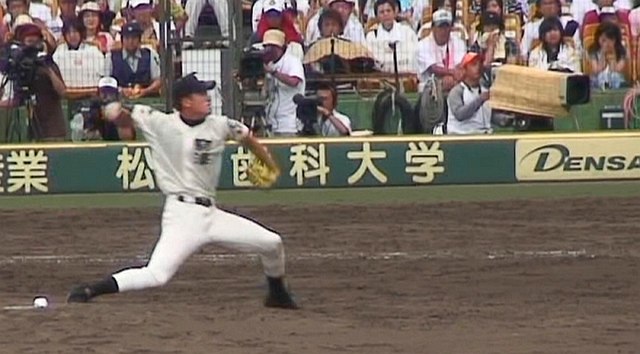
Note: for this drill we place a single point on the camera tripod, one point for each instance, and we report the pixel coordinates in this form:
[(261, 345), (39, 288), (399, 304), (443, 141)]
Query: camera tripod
[(256, 120), (18, 126)]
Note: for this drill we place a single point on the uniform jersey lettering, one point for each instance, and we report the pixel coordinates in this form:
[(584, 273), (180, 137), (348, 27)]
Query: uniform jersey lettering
[(201, 151), (236, 129)]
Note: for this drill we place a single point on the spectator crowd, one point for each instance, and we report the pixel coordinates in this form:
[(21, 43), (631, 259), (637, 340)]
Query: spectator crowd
[(430, 37), (432, 40)]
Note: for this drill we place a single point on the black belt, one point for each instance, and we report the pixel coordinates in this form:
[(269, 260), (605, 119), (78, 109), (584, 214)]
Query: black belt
[(205, 202)]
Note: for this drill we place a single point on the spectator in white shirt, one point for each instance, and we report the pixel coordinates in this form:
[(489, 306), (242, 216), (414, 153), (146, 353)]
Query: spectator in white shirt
[(547, 8), (353, 29), (579, 8), (330, 121), (389, 31), (440, 53), (608, 58), (418, 10), (312, 33), (285, 79), (80, 63), (405, 9), (330, 24), (73, 34), (553, 52), (458, 28), (491, 41)]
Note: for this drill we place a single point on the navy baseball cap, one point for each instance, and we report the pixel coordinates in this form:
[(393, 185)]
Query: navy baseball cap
[(131, 29), (190, 84)]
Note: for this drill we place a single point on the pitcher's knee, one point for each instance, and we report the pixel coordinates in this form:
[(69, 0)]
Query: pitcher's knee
[(272, 243), (160, 277)]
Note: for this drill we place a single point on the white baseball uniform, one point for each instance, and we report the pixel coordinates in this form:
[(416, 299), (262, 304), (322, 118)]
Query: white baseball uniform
[(194, 8), (187, 161)]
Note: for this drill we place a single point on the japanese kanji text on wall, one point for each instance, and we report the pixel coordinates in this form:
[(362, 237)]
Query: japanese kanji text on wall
[(306, 163)]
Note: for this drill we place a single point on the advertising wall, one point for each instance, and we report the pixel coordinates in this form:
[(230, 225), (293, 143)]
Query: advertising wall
[(325, 163)]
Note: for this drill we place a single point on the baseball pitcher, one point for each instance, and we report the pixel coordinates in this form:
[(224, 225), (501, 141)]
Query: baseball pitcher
[(187, 149)]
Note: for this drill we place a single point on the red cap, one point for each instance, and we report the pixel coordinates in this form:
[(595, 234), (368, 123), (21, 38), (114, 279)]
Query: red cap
[(469, 58)]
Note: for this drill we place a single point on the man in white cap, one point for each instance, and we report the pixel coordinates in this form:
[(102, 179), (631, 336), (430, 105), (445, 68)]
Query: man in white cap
[(285, 79), (108, 91), (194, 8), (89, 123), (440, 53), (269, 8)]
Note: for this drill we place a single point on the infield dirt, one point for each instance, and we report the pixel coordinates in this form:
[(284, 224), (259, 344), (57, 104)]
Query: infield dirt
[(559, 276)]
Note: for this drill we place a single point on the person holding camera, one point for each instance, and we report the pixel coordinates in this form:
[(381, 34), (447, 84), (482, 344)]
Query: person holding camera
[(17, 8), (37, 76), (285, 79), (331, 122), (89, 122)]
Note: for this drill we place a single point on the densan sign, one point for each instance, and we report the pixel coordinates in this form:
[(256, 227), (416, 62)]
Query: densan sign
[(578, 159)]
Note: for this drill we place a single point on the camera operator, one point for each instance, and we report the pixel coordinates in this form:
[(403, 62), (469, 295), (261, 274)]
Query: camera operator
[(331, 122), (285, 80), (42, 19), (35, 75), (89, 123)]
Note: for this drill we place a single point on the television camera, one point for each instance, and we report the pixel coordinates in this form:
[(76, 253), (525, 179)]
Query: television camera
[(19, 64), (250, 81)]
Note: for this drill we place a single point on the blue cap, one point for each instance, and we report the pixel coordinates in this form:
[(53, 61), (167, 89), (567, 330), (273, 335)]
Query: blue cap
[(131, 29), (190, 84)]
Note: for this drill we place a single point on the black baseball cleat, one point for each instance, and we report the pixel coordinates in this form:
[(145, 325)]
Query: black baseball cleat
[(81, 293), (278, 296), (282, 301)]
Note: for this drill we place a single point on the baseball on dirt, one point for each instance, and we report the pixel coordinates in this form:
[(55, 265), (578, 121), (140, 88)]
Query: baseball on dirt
[(40, 302)]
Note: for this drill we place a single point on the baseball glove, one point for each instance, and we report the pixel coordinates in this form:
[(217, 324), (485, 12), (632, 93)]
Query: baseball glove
[(261, 175)]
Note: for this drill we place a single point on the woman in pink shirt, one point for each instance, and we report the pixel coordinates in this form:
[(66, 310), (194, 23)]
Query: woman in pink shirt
[(90, 16)]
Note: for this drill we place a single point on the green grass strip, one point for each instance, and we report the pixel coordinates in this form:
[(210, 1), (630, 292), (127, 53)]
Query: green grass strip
[(430, 194)]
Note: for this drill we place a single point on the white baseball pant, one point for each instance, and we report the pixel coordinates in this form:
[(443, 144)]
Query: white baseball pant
[(194, 9), (186, 227)]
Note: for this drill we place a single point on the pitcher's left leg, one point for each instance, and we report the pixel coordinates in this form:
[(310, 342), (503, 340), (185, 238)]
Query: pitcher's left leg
[(242, 234)]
